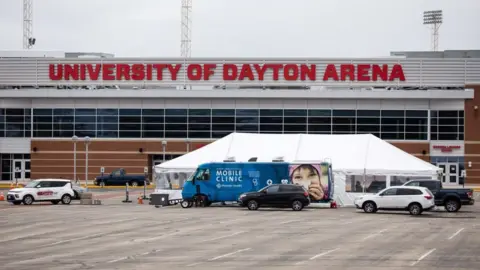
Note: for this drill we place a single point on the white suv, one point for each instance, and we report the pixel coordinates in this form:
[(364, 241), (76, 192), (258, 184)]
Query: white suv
[(412, 199), (53, 190)]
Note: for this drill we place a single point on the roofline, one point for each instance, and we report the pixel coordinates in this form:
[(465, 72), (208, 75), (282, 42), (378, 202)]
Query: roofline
[(239, 94)]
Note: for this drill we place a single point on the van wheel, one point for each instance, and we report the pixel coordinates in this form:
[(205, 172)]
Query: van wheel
[(134, 184), (27, 200), (415, 209), (452, 206), (186, 204), (252, 205), (66, 199), (369, 207), (297, 205)]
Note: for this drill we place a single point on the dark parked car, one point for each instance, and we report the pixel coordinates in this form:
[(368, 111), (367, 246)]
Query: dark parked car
[(120, 178), (279, 196), (451, 198)]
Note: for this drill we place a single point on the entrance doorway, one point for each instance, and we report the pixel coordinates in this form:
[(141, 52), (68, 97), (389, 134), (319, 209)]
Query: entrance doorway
[(21, 170), (450, 173)]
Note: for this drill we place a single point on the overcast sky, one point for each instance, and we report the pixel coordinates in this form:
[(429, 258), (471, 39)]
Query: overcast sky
[(242, 28)]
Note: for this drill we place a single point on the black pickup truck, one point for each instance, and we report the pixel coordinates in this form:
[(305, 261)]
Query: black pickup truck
[(451, 198), (120, 178)]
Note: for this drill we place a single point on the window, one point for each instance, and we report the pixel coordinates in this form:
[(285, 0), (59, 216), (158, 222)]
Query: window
[(447, 125), (343, 121), (269, 112), (203, 174), (199, 123), (176, 123), (15, 122), (247, 112), (408, 191), (289, 188), (223, 112), (368, 122), (273, 189), (389, 192), (413, 184)]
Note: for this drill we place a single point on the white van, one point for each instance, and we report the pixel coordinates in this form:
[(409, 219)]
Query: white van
[(41, 190)]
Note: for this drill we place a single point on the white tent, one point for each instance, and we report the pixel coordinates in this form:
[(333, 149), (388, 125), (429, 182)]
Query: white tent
[(362, 154), (353, 154)]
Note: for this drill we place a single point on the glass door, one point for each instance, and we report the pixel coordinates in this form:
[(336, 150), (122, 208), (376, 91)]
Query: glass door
[(21, 170), (452, 169), (18, 170), (26, 175), (444, 172)]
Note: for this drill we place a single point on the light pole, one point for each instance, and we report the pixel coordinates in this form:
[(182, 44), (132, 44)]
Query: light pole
[(433, 18), (87, 142), (74, 139), (164, 146)]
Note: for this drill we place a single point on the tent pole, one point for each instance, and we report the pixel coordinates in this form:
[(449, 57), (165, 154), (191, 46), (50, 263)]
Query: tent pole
[(364, 179), (365, 163)]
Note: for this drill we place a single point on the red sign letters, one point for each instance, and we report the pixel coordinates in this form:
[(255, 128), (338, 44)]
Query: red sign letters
[(228, 72), (446, 148)]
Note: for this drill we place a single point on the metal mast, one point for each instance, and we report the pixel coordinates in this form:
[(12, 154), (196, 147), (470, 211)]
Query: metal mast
[(433, 18), (186, 39), (28, 39)]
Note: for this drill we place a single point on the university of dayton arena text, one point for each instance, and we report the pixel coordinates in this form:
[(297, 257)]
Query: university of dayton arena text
[(140, 112)]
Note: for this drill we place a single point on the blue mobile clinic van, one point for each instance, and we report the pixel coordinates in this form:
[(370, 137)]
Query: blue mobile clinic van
[(226, 181)]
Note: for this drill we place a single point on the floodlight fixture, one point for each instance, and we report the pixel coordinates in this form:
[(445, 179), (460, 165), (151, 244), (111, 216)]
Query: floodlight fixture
[(433, 18)]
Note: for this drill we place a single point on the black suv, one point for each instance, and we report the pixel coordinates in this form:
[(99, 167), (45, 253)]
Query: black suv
[(281, 196)]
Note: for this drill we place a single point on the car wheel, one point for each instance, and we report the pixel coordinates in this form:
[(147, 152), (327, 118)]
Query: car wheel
[(66, 199), (369, 207), (415, 209), (134, 184), (452, 206), (252, 205), (17, 203), (27, 200), (55, 202), (186, 204), (297, 205)]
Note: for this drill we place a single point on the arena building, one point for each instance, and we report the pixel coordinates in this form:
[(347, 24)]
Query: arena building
[(140, 112)]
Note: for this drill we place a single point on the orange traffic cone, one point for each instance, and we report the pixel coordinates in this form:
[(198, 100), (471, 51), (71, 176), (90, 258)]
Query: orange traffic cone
[(2, 197), (140, 200)]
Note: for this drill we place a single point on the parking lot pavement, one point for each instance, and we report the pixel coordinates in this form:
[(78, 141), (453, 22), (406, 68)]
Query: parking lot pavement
[(143, 237)]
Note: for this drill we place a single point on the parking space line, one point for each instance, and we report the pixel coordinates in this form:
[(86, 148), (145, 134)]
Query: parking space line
[(323, 254), (318, 256), (222, 237), (423, 256), (456, 233), (290, 221), (374, 234), (72, 239), (228, 254)]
